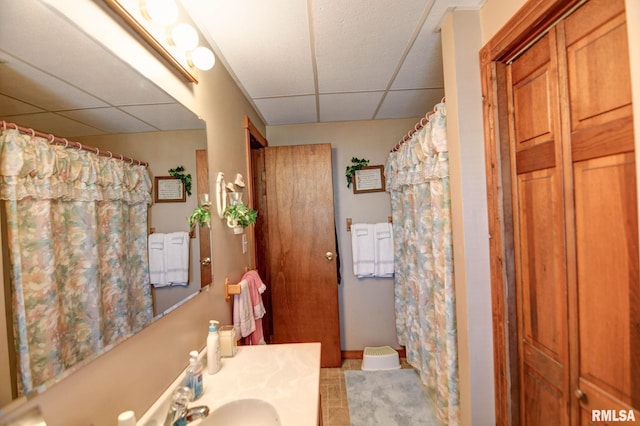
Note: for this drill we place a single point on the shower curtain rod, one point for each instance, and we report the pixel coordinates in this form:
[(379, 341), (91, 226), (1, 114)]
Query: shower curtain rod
[(419, 125), (70, 144)]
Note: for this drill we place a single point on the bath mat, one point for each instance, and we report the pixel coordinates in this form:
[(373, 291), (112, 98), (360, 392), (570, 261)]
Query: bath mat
[(387, 398)]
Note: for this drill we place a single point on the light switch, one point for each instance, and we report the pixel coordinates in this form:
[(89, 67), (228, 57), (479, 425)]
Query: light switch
[(244, 243)]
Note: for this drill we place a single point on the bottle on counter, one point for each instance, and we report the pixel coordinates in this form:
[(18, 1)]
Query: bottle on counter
[(213, 348), (194, 380), (127, 418)]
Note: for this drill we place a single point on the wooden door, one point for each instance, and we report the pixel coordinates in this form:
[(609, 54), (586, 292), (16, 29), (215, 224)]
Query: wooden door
[(605, 296), (581, 102), (301, 246), (204, 232), (539, 222), (575, 222)]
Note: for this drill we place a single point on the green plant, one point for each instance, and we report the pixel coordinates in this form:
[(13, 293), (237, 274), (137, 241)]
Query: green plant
[(185, 178), (241, 214), (358, 163), (201, 215)]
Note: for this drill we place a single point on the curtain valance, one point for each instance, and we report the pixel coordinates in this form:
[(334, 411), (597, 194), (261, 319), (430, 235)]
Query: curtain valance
[(32, 167), (421, 159)]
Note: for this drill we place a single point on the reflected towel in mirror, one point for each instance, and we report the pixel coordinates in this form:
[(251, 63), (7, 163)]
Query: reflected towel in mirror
[(169, 259)]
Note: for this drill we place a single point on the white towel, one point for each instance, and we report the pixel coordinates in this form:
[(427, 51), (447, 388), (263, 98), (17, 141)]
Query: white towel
[(363, 249), (243, 320), (157, 269), (383, 262), (176, 256)]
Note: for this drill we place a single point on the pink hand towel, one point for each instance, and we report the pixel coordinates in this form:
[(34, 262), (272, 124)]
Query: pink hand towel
[(256, 288)]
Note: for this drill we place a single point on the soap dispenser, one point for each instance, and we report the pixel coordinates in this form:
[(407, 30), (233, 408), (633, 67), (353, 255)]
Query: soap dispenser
[(213, 348), (194, 376)]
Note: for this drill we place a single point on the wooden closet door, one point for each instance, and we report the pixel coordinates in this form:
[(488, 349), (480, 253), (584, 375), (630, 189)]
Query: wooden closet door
[(539, 224), (605, 297), (575, 219)]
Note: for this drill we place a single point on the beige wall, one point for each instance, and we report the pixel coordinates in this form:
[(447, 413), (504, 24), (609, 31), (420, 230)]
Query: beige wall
[(460, 45), (366, 304), (494, 14)]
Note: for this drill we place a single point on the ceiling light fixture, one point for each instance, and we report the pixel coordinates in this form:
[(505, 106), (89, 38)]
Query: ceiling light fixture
[(184, 37), (155, 21), (202, 58), (162, 12)]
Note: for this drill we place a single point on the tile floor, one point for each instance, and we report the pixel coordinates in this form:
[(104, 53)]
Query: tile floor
[(333, 392)]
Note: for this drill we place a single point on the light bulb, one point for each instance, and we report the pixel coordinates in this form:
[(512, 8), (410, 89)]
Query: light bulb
[(184, 37), (203, 58), (163, 12)]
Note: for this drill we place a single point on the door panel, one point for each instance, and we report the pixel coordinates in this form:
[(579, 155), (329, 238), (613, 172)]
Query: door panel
[(608, 293), (541, 253), (607, 284), (598, 64), (543, 402), (301, 233), (533, 89), (543, 297)]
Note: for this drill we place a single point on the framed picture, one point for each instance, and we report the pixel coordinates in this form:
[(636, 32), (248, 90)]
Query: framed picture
[(168, 189), (369, 179)]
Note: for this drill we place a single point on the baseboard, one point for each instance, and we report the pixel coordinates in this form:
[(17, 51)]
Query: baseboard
[(402, 353)]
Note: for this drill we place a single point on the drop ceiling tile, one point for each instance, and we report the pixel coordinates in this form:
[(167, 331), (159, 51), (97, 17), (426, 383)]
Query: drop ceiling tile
[(349, 106), (293, 109), (12, 106), (32, 86), (166, 116), (111, 120), (55, 124), (87, 65), (265, 43), (422, 68), (409, 103), (359, 43)]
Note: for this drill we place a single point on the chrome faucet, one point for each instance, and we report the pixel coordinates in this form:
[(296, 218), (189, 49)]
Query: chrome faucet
[(179, 414)]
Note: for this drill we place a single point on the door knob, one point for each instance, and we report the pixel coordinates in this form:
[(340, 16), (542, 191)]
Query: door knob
[(580, 395), (329, 255), (206, 261)]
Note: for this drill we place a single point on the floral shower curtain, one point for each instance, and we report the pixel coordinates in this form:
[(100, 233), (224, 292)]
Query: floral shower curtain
[(77, 239), (418, 181)]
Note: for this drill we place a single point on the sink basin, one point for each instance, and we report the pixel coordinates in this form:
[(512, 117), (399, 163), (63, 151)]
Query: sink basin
[(243, 412)]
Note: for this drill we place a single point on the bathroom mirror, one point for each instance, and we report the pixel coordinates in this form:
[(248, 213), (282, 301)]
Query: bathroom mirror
[(56, 79)]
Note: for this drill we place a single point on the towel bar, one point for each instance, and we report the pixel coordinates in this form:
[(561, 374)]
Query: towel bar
[(230, 289), (350, 222)]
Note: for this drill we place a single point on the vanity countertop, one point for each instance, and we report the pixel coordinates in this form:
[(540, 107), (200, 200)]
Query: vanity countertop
[(286, 375)]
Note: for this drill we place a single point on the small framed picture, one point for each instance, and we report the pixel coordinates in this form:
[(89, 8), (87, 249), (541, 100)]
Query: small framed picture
[(169, 190), (369, 179)]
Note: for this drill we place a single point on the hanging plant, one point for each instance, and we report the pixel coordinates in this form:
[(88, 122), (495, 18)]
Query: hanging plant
[(178, 173), (240, 214), (357, 164), (201, 216)]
